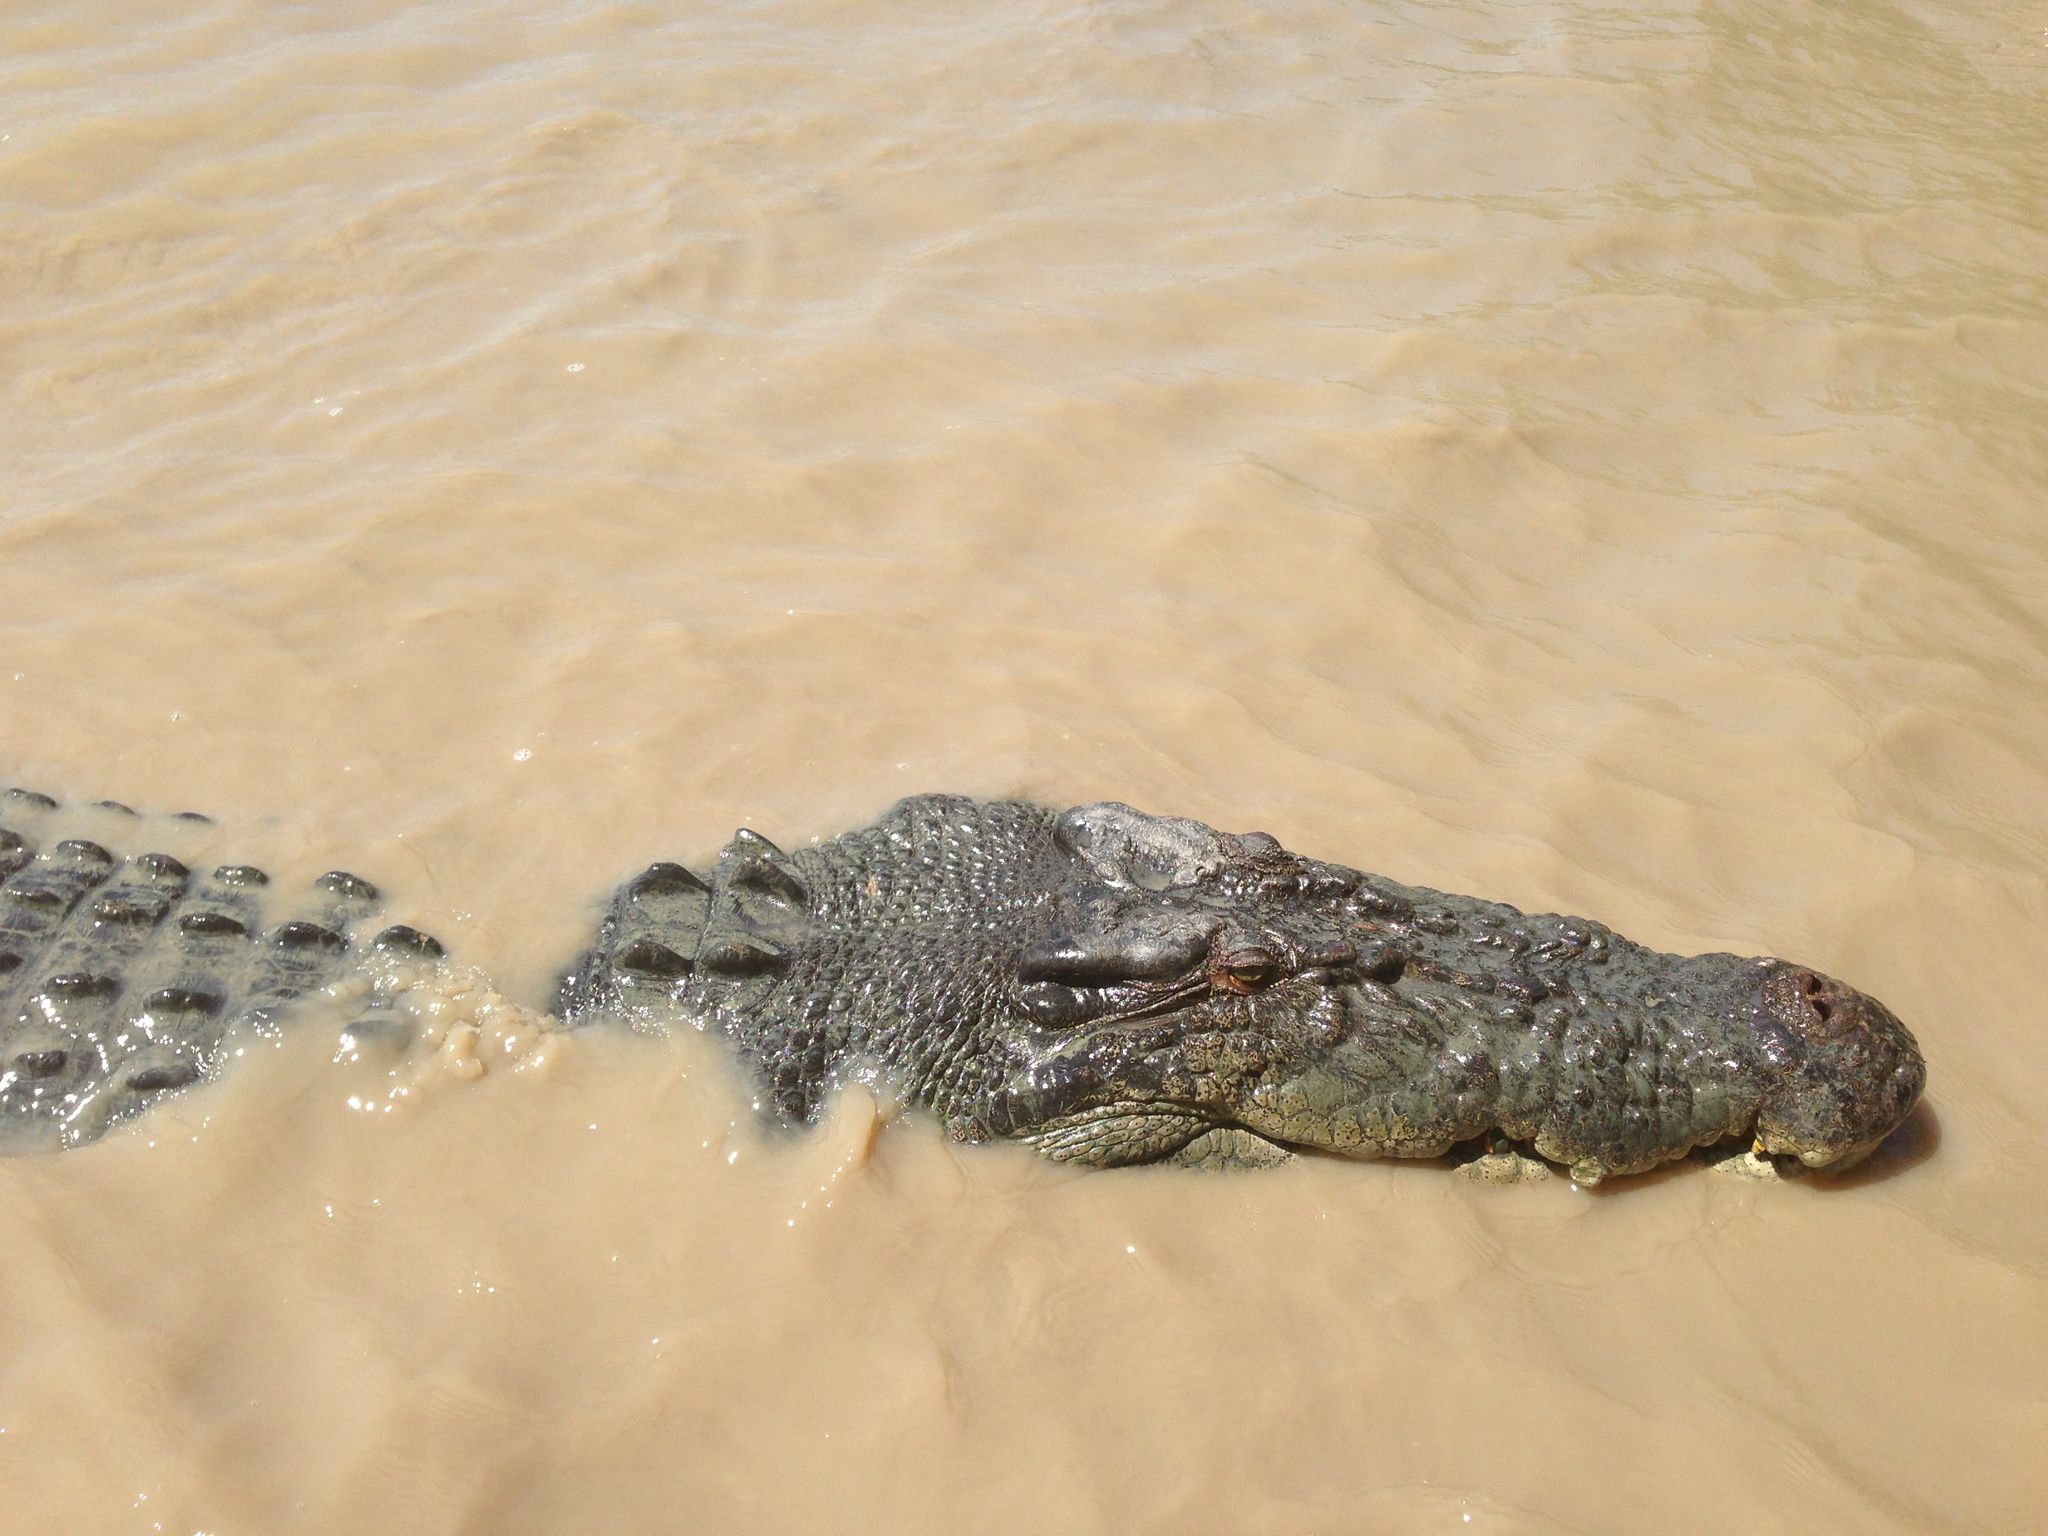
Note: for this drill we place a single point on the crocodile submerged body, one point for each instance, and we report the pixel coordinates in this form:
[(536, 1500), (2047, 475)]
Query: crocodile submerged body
[(120, 978), (1108, 986)]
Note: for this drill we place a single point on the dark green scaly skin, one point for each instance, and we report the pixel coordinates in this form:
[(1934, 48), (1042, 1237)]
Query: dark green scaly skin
[(1120, 988), (119, 978)]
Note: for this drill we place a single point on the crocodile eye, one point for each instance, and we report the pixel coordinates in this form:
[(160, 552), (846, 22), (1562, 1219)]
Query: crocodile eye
[(1247, 973)]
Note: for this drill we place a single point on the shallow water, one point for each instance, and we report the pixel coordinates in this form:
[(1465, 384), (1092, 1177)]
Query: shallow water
[(1594, 457)]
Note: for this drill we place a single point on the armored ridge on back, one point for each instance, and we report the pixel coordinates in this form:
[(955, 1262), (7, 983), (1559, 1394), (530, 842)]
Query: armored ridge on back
[(1108, 986), (120, 978)]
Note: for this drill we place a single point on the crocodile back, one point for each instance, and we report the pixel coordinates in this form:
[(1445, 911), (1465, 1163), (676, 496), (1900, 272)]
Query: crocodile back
[(121, 975)]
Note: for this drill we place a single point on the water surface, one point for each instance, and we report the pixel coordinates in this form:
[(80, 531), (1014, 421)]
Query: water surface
[(1590, 456)]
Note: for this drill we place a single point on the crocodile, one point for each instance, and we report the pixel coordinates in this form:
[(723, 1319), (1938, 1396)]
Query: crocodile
[(1107, 986)]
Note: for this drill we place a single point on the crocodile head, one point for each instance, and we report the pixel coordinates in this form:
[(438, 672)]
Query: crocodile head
[(1213, 999)]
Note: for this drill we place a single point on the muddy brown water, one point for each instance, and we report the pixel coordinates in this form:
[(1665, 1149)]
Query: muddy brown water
[(1590, 456)]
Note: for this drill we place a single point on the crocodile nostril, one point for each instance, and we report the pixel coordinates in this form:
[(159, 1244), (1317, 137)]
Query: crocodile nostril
[(1817, 997), (1810, 1003)]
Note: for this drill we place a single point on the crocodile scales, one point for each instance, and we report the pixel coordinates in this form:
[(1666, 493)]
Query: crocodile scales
[(1108, 986)]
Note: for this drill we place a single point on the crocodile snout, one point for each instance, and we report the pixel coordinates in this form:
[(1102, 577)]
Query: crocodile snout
[(1852, 1076)]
